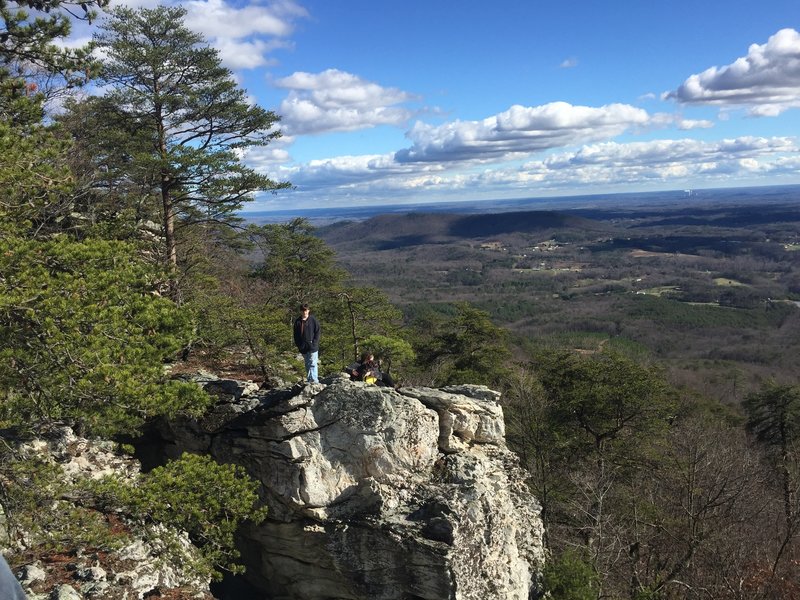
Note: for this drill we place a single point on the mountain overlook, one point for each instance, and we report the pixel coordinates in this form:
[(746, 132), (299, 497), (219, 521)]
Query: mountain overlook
[(373, 493)]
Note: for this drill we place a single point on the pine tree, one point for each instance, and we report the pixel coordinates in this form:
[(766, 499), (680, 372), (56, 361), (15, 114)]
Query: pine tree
[(27, 44), (467, 348), (182, 119)]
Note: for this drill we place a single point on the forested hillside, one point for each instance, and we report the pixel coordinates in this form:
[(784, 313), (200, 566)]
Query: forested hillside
[(648, 364), (711, 292)]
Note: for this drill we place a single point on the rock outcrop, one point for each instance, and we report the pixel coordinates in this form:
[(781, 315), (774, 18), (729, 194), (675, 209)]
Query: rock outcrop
[(373, 493)]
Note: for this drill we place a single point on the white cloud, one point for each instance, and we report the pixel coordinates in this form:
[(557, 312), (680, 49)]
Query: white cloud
[(568, 63), (768, 110), (671, 151), (520, 129), (664, 160), (338, 101), (216, 18), (135, 3), (267, 159), (594, 166), (245, 54), (245, 35), (686, 124), (767, 79), (356, 170), (73, 42)]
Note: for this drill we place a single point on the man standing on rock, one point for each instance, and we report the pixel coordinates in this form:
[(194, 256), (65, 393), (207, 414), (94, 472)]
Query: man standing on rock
[(306, 338)]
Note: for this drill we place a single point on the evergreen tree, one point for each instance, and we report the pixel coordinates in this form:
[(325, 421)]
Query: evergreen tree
[(255, 307), (295, 265), (467, 348), (83, 336), (357, 317), (34, 175), (586, 426), (175, 122), (27, 43), (773, 417), (84, 331)]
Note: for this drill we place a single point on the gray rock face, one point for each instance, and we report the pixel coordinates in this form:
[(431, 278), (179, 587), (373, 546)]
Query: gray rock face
[(377, 494)]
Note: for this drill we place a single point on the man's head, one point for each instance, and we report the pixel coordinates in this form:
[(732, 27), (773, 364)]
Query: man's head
[(305, 309)]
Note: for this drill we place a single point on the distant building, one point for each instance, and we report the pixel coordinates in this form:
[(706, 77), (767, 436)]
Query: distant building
[(547, 245), (496, 246)]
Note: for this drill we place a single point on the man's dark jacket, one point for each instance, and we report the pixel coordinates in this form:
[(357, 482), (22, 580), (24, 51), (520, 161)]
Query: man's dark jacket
[(306, 338)]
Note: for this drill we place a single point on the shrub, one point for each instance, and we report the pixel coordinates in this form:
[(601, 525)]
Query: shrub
[(570, 577), (199, 496)]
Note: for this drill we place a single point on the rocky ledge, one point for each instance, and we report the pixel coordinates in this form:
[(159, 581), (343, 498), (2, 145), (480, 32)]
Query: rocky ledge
[(373, 493)]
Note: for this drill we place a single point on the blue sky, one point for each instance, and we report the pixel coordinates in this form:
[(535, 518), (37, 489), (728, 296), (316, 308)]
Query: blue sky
[(392, 102)]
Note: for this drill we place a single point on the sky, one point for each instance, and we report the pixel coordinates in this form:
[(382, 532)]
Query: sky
[(427, 101)]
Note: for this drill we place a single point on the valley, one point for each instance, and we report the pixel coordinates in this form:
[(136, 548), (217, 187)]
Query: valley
[(708, 290)]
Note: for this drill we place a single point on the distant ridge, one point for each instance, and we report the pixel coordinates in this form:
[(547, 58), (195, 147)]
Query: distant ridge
[(388, 231), (622, 201), (517, 222)]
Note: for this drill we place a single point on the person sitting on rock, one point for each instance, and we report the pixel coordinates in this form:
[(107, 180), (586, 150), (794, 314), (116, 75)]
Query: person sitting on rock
[(368, 369)]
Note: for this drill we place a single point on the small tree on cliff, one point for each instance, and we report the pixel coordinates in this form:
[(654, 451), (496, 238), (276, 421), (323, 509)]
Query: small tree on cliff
[(186, 121), (467, 348), (296, 265)]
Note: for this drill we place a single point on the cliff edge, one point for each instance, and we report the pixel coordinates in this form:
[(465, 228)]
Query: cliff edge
[(373, 493)]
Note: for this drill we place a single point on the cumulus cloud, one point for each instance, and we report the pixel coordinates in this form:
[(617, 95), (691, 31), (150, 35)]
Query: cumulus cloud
[(592, 166), (568, 63), (268, 159), (662, 120), (244, 34), (357, 170), (246, 54), (767, 79), (687, 124), (339, 101), (671, 151), (664, 160), (216, 18), (520, 129)]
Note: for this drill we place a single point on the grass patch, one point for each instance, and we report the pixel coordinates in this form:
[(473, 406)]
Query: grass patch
[(724, 281), (659, 291)]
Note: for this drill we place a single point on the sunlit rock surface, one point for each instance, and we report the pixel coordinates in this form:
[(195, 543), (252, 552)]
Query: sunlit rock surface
[(374, 493)]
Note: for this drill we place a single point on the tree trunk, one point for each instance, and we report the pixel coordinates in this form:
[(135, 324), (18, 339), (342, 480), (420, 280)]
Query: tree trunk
[(171, 255), (169, 225)]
